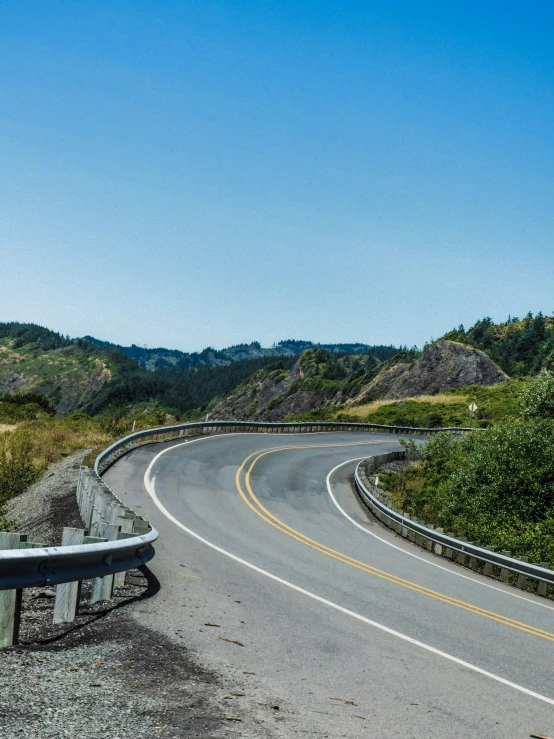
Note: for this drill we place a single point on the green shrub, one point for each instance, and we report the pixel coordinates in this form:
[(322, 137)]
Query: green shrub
[(494, 486), (537, 400)]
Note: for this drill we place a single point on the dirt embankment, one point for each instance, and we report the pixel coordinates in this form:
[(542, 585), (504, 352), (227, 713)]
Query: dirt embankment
[(444, 365)]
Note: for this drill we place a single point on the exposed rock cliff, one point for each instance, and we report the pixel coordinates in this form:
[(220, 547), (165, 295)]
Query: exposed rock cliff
[(441, 366)]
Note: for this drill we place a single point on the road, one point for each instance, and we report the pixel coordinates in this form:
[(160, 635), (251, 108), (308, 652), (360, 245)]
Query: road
[(350, 630)]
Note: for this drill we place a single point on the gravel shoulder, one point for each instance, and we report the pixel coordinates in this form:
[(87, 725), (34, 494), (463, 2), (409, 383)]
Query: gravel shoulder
[(107, 675)]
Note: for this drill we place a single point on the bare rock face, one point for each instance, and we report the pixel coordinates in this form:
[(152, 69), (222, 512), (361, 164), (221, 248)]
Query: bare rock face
[(442, 366)]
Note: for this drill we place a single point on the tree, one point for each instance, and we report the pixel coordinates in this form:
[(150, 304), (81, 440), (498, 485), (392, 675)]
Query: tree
[(538, 400)]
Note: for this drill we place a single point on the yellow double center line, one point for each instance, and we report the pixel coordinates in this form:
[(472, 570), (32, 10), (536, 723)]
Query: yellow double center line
[(254, 504)]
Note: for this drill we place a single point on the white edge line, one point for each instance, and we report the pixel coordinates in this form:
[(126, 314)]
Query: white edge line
[(416, 556), (149, 484)]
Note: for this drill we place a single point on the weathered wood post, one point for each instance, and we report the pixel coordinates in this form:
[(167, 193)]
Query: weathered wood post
[(504, 573), (67, 593), (10, 600), (487, 571), (541, 586), (438, 547), (102, 587), (522, 579)]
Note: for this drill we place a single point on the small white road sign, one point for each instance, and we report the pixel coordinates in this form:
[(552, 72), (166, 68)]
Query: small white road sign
[(472, 408)]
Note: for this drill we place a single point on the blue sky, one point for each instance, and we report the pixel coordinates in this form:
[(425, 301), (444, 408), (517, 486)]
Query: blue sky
[(191, 174)]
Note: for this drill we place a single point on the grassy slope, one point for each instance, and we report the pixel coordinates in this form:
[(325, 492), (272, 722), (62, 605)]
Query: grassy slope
[(28, 447), (495, 404), (67, 375)]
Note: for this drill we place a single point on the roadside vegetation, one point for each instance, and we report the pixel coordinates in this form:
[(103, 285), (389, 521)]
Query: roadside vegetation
[(494, 405), (495, 487), (36, 437)]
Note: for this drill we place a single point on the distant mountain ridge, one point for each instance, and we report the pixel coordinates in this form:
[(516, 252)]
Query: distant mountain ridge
[(161, 358), (95, 376), (289, 379)]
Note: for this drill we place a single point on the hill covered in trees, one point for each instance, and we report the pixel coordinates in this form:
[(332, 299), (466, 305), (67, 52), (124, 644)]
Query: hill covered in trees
[(291, 379), (521, 347), (161, 358), (34, 359), (93, 376)]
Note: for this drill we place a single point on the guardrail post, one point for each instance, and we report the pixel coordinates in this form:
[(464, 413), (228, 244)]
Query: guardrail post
[(541, 585), (487, 571), (125, 526), (461, 556), (522, 579), (473, 561), (405, 530), (67, 593), (10, 600), (102, 587), (447, 550), (439, 547), (418, 538), (504, 573)]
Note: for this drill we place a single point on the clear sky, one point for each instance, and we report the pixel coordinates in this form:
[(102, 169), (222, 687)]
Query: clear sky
[(188, 174)]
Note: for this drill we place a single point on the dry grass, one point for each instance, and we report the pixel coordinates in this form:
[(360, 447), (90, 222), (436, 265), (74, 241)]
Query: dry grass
[(7, 427), (52, 440), (361, 411)]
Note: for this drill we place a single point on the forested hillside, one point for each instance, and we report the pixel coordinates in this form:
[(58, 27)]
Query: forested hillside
[(78, 375), (519, 347), (180, 391), (317, 379), (161, 358), (34, 359)]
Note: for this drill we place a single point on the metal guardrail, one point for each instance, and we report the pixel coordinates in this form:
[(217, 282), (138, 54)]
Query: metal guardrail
[(41, 566), (167, 433), (435, 539), (114, 540)]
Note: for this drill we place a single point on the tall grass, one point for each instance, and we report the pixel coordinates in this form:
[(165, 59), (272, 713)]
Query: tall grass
[(28, 449), (365, 410)]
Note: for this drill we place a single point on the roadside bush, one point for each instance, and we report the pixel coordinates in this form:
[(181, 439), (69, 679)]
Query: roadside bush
[(24, 407), (537, 400), (495, 487)]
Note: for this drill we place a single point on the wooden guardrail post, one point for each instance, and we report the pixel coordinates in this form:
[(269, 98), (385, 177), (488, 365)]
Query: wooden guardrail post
[(473, 561), (505, 573), (125, 526), (461, 556), (522, 579), (439, 547), (447, 550), (102, 587), (10, 600), (541, 585), (67, 593), (487, 570)]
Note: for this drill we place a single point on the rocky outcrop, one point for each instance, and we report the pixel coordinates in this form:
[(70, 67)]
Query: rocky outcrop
[(274, 395), (442, 366)]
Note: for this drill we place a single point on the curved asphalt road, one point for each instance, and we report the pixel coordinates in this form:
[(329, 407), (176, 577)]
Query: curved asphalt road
[(348, 628)]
